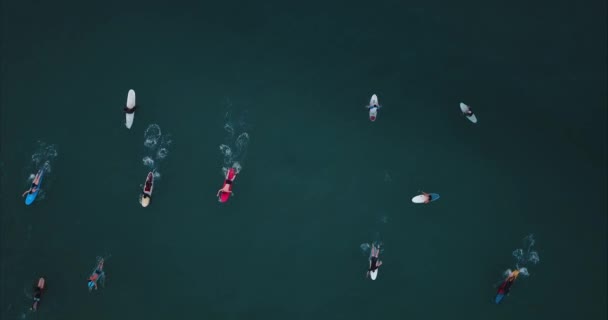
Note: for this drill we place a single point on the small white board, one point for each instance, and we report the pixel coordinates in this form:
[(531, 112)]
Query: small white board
[(130, 116), (419, 199), (373, 108), (145, 201), (373, 274), (464, 108), (373, 100)]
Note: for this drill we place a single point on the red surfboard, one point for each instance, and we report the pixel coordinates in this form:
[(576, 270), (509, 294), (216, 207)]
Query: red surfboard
[(149, 184), (224, 196)]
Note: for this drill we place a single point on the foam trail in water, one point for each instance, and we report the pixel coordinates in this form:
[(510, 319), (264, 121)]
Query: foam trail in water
[(157, 148), (233, 151), (526, 255), (152, 136), (365, 248)]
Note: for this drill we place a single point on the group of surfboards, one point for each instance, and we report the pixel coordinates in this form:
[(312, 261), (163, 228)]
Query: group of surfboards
[(425, 198), (226, 191), (373, 108)]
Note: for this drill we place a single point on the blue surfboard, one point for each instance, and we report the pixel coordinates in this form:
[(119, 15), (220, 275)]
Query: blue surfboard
[(30, 197), (434, 196), (499, 298)]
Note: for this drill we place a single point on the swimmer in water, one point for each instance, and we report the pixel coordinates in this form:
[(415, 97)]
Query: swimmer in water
[(34, 186), (97, 275), (374, 262)]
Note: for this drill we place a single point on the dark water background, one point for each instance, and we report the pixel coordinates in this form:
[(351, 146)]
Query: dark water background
[(318, 178)]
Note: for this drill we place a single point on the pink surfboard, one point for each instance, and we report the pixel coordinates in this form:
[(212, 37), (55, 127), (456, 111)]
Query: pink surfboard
[(224, 196)]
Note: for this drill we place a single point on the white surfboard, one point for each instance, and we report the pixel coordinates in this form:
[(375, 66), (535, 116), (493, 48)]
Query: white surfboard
[(373, 107), (419, 199), (464, 108), (130, 105), (373, 274), (144, 201)]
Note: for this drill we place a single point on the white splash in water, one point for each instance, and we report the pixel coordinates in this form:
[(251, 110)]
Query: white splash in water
[(365, 247), (148, 162), (526, 255), (234, 150), (152, 135), (158, 147), (162, 153)]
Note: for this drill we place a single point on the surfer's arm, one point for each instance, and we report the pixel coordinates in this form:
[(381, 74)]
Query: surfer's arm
[(26, 191)]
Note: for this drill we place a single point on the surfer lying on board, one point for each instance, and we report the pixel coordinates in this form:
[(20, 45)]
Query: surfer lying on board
[(97, 275), (227, 183), (225, 189), (427, 197), (505, 287), (147, 188), (38, 293), (468, 112), (131, 110), (34, 186), (374, 263)]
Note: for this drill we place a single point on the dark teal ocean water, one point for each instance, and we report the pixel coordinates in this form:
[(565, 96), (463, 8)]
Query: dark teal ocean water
[(318, 179)]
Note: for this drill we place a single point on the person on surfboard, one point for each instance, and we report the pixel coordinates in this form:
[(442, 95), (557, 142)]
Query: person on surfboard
[(374, 262), (38, 293), (226, 187), (148, 186), (505, 287), (427, 196), (97, 275), (371, 108), (468, 112), (132, 110), (34, 186)]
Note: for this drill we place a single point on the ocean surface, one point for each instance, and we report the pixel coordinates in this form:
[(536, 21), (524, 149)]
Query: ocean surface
[(279, 89)]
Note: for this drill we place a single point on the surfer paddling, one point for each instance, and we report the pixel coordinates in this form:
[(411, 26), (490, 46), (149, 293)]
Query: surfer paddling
[(374, 262), (34, 186), (373, 107), (468, 112), (226, 191), (147, 191), (130, 110), (427, 197), (97, 275), (38, 288), (505, 287)]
